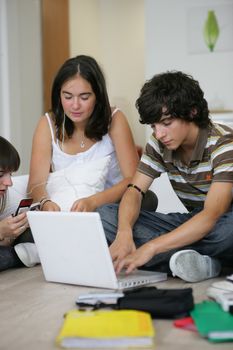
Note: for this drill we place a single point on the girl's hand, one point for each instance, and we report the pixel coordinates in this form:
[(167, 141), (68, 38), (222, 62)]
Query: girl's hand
[(13, 226), (50, 206), (84, 204)]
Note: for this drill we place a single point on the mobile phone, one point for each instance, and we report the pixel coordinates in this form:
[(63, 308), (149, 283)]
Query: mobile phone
[(35, 206), (24, 205)]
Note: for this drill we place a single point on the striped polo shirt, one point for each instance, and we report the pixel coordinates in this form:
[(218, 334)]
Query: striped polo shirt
[(211, 161)]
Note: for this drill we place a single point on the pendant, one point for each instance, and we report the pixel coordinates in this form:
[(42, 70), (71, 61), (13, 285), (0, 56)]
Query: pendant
[(82, 144)]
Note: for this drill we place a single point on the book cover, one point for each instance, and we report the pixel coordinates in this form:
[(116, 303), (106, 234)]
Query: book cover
[(108, 328), (212, 322)]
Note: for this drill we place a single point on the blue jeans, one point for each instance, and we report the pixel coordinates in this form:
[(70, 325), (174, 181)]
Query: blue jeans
[(149, 225), (8, 256)]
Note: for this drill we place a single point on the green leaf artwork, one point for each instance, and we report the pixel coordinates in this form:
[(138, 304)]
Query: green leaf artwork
[(211, 30)]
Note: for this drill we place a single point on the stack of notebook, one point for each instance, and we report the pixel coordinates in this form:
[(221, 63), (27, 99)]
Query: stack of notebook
[(212, 322), (106, 329)]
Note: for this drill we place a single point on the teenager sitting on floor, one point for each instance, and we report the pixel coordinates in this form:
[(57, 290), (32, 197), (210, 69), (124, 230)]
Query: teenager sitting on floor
[(197, 155), (13, 229)]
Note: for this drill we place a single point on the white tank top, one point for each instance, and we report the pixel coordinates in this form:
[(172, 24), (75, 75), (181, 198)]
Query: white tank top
[(100, 149)]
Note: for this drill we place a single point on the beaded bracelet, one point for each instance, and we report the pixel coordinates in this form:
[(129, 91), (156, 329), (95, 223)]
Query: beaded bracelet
[(43, 201), (137, 188)]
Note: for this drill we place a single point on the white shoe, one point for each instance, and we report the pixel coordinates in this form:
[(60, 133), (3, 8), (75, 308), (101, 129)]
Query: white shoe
[(191, 266), (27, 253)]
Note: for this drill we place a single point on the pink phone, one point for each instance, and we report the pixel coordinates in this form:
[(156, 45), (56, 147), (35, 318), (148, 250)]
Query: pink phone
[(24, 205)]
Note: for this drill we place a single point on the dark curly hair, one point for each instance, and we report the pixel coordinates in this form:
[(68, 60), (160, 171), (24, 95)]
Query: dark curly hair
[(176, 92), (9, 156), (87, 67)]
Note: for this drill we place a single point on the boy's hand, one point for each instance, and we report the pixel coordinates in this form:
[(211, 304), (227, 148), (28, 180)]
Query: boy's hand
[(121, 247), (136, 259)]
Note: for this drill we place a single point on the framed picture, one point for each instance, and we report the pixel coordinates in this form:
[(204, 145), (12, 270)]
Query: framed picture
[(210, 29)]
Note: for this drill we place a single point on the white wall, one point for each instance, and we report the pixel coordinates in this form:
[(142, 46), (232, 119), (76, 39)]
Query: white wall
[(166, 44), (113, 32), (22, 66), (132, 40), (110, 30), (166, 49)]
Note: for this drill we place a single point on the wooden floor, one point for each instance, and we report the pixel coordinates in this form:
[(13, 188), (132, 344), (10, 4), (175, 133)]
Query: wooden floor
[(31, 313)]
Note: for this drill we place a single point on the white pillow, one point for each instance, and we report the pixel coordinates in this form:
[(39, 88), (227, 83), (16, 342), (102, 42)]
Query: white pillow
[(16, 192), (63, 186), (77, 181)]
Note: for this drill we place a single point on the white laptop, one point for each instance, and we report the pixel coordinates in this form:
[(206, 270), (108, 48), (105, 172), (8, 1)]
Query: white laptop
[(73, 249)]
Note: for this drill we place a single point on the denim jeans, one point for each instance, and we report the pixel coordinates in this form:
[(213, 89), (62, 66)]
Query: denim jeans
[(149, 225), (8, 256)]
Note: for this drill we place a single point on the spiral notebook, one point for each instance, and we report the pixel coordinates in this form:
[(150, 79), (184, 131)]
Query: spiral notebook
[(73, 249)]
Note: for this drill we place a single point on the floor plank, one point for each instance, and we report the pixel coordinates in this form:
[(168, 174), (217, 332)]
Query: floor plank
[(32, 312)]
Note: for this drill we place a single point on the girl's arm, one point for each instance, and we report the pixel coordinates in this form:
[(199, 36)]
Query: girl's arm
[(40, 164)]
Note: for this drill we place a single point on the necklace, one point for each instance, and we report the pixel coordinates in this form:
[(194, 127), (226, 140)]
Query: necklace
[(82, 144), (82, 137)]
